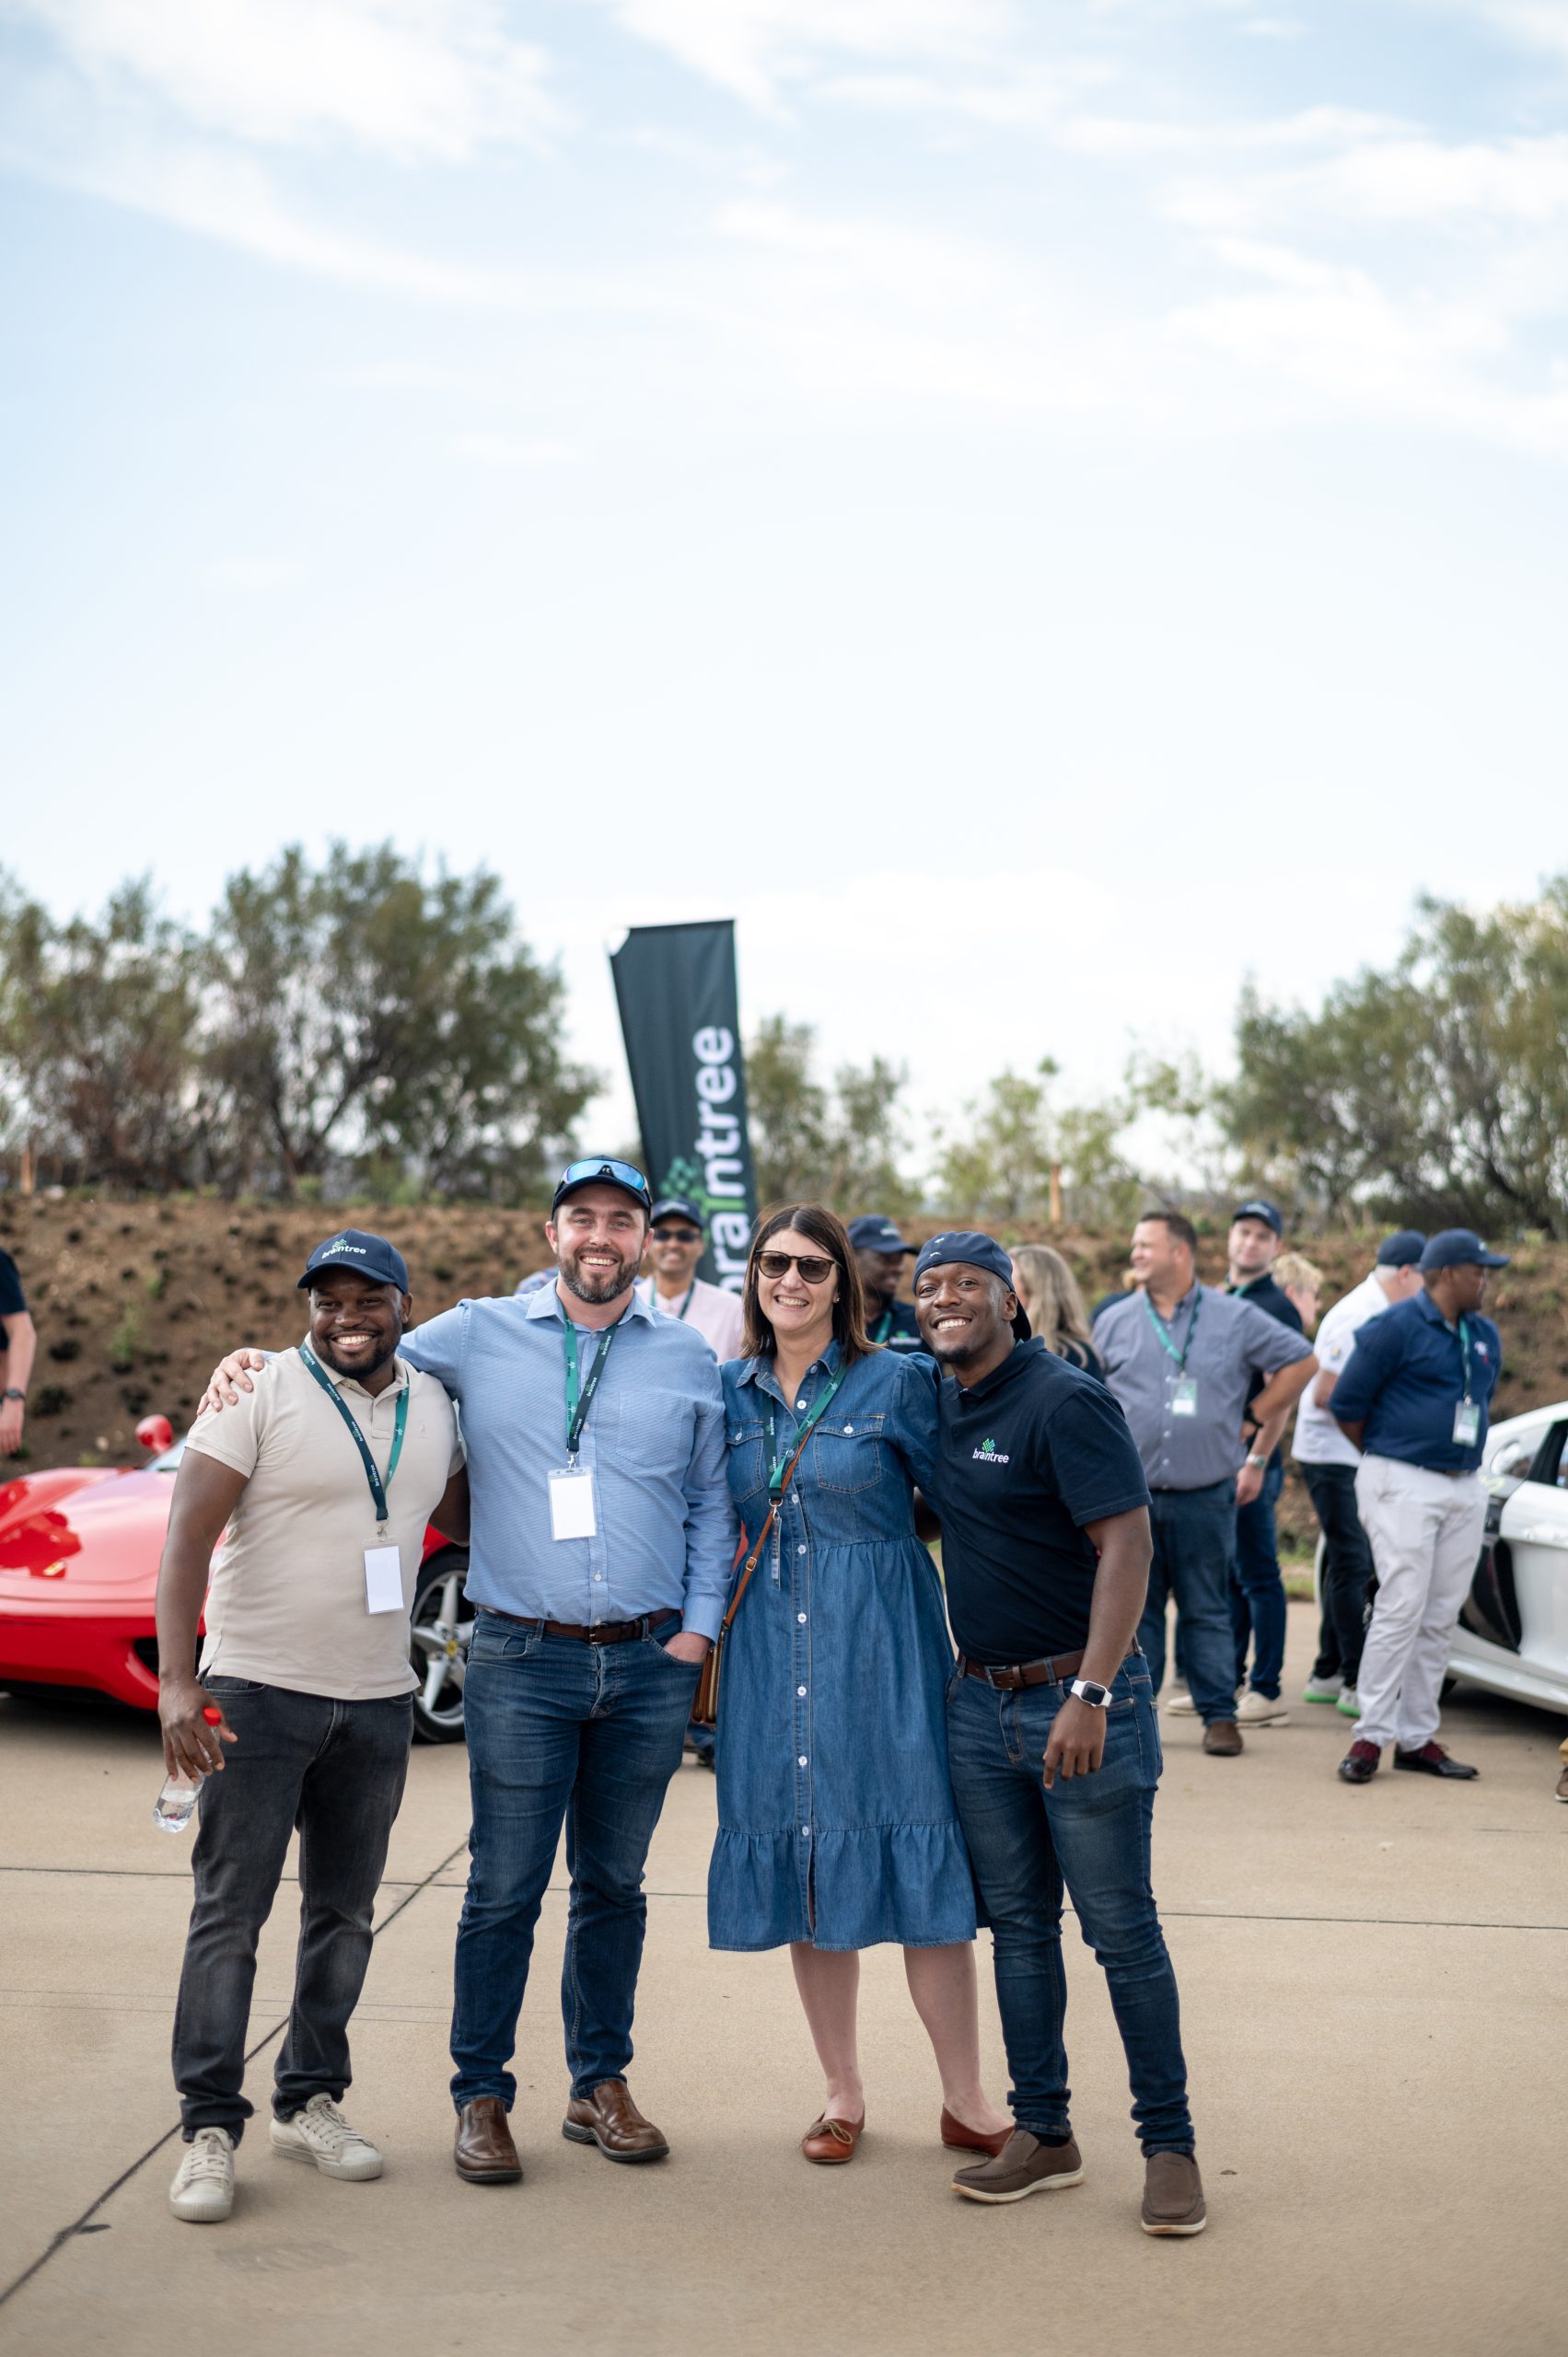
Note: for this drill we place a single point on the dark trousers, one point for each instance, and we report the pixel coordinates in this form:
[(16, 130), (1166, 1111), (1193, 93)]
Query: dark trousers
[(335, 1770), (1194, 1534), (1090, 1837), (590, 1735), (1257, 1590), (1348, 1571)]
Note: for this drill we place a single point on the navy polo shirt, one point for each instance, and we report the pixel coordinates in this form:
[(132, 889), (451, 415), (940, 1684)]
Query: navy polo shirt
[(1025, 1458), (896, 1323), (1275, 1302), (12, 1301), (1404, 1378)]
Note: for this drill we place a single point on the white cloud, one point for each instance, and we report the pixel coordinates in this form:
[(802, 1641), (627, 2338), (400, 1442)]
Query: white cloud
[(434, 78), (748, 47)]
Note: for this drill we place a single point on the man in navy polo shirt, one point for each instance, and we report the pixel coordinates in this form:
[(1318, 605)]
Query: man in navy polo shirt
[(1257, 1587), (1052, 1742), (1413, 1398), (879, 1256)]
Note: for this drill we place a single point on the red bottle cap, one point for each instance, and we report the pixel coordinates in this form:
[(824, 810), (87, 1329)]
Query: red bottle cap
[(214, 1718)]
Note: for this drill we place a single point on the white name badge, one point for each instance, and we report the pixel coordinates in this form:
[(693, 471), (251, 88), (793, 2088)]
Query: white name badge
[(1466, 1422), (1184, 1396), (383, 1580), (572, 1512)]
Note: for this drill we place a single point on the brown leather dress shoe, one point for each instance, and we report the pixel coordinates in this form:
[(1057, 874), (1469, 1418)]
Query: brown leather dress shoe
[(960, 2139), (1222, 1740), (483, 2150), (831, 2142), (611, 2119)]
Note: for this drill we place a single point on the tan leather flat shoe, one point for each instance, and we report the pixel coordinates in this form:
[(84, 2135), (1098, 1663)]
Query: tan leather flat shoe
[(831, 2142)]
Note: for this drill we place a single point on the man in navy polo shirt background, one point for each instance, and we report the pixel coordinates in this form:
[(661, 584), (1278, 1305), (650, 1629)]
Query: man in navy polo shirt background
[(1413, 1398), (879, 1256), (1052, 1742), (1257, 1587)]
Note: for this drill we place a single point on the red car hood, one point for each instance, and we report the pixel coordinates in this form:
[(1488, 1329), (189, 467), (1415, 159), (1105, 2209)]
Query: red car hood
[(79, 1532)]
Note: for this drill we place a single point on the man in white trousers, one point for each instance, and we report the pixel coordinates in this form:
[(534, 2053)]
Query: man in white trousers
[(1413, 1398)]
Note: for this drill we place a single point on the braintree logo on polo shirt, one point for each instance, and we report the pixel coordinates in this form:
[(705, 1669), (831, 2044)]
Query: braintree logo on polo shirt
[(989, 1454)]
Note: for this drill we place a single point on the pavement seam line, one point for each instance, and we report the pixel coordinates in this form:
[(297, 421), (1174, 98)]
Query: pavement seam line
[(68, 2233)]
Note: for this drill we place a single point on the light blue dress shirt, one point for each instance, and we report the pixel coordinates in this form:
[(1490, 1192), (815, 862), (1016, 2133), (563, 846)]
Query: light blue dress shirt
[(654, 1442)]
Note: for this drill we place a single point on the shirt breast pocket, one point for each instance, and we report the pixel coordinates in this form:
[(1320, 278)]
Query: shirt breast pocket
[(652, 1432), (744, 1448), (847, 1453)]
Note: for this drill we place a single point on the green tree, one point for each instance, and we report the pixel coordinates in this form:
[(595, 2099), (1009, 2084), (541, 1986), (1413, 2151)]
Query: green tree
[(841, 1147)]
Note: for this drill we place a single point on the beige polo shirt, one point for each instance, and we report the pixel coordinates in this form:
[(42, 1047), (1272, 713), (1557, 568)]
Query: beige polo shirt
[(287, 1604)]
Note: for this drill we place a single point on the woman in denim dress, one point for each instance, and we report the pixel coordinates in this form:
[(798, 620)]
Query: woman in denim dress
[(837, 1828)]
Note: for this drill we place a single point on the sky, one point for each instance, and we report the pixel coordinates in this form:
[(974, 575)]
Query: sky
[(1041, 512)]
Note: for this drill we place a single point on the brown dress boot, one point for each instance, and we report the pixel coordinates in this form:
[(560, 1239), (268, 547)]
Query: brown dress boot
[(483, 2150)]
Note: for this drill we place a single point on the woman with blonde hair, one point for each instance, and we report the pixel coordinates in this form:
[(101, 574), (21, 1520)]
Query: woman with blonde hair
[(1054, 1305), (837, 1825)]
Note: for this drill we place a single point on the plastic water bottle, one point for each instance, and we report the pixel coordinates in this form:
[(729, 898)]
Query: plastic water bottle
[(176, 1804)]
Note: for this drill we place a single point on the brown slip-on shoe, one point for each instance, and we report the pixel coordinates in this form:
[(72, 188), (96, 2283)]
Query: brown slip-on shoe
[(1173, 2195), (830, 2142), (960, 2139), (1023, 2166), (483, 2150), (611, 2119), (1222, 1740)]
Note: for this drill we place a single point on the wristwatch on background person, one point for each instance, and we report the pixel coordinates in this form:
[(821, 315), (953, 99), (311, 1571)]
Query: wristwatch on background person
[(11, 1392), (1253, 1457), (1086, 1691)]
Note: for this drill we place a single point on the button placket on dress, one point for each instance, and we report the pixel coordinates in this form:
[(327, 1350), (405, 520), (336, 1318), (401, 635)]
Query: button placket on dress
[(795, 1543)]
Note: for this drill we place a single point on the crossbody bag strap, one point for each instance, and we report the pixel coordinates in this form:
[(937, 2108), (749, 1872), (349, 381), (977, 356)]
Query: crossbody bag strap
[(755, 1556)]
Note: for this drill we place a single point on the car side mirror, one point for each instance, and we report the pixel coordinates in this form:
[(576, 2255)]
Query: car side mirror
[(156, 1433)]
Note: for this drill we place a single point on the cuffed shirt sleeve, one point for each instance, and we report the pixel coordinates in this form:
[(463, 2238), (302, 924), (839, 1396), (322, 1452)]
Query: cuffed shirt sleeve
[(711, 1526)]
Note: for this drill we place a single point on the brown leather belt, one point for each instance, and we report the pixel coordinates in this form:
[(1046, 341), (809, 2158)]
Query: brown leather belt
[(1016, 1674), (603, 1632)]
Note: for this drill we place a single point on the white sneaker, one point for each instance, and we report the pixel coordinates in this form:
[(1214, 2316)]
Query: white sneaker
[(321, 2134), (1256, 1709), (1349, 1703), (1180, 1706), (1323, 1689), (203, 2190)]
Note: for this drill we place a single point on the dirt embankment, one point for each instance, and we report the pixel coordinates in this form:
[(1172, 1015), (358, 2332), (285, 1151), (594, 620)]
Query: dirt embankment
[(135, 1301)]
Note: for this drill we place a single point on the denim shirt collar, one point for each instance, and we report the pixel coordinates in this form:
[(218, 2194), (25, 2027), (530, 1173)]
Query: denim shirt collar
[(763, 1374)]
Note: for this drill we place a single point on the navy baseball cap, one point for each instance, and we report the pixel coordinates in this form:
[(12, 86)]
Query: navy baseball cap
[(1402, 1249), (981, 1252), (679, 1207), (1460, 1248), (1256, 1208), (606, 1171), (875, 1233), (368, 1256)]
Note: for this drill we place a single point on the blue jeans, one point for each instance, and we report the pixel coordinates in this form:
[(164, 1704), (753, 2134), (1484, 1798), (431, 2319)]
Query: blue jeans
[(1194, 1534), (559, 1730), (335, 1770), (1091, 1836), (1257, 1591)]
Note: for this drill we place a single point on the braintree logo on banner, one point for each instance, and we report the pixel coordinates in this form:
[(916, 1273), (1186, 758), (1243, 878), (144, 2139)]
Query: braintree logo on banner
[(718, 1150)]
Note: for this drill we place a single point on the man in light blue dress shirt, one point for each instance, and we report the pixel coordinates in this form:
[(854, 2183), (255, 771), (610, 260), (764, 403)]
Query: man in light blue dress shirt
[(600, 1553)]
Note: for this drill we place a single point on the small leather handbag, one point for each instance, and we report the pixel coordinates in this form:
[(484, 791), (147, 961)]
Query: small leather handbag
[(705, 1708)]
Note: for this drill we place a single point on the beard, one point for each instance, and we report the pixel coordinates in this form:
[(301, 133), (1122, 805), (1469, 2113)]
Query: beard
[(371, 1366), (597, 1290)]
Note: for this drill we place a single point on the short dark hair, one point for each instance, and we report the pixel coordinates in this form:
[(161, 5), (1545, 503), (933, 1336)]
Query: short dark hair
[(1176, 1223), (827, 1230)]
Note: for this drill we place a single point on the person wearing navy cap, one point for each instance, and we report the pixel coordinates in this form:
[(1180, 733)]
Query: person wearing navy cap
[(1329, 1466), (677, 1235), (1052, 1738), (879, 1252), (1414, 1400), (1257, 1585)]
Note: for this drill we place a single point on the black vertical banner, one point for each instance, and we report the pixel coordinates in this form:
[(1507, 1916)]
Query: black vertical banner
[(680, 1019)]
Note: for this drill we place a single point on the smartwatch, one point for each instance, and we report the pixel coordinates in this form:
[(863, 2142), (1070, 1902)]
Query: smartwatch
[(1086, 1690)]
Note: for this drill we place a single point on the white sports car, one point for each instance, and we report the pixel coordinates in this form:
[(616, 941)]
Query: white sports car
[(1513, 1632)]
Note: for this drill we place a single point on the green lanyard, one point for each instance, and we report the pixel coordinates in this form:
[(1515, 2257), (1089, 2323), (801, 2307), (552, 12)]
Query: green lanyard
[(777, 1460), (1465, 1353), (578, 1403), (884, 1326), (653, 1302), (1157, 1322), (378, 1488)]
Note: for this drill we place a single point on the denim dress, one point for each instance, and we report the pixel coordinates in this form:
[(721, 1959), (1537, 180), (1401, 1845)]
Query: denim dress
[(837, 1824)]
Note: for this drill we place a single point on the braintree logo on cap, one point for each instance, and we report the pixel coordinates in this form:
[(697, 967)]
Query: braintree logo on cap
[(341, 1244)]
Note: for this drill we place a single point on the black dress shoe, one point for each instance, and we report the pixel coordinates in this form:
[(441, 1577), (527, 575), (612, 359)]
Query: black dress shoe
[(1360, 1763), (1432, 1761)]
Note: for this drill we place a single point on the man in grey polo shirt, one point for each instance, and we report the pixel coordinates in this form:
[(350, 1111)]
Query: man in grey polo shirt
[(1181, 1357)]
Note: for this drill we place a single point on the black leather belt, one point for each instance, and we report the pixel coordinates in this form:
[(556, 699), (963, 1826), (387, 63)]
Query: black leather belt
[(603, 1632)]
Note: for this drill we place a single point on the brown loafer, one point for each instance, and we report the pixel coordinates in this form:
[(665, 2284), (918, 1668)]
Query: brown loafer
[(483, 2150), (1222, 1740), (611, 2119), (831, 2142), (960, 2139)]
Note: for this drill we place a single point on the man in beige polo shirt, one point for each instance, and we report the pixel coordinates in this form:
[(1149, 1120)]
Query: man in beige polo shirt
[(326, 1476)]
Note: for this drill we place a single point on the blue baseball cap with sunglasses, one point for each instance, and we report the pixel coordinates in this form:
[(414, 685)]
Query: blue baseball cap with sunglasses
[(604, 1172)]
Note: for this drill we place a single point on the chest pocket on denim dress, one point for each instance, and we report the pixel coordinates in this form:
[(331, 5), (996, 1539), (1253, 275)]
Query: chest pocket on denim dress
[(745, 1443), (846, 1451)]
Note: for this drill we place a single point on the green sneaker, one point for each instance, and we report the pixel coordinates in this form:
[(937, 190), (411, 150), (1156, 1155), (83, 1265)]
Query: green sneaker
[(1323, 1689), (1349, 1703)]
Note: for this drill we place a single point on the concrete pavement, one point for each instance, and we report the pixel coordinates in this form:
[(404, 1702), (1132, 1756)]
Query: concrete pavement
[(1374, 1988)]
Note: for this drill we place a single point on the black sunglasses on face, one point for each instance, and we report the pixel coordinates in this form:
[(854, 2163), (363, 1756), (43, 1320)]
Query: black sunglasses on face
[(663, 1235), (813, 1267)]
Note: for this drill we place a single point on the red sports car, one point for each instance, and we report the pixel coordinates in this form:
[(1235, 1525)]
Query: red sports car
[(79, 1553)]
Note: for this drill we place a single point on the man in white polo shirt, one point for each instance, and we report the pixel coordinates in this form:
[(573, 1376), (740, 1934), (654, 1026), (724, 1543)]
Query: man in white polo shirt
[(1328, 1463), (325, 1474)]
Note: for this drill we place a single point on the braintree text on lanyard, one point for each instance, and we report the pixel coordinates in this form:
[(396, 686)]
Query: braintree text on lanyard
[(1467, 1411), (1183, 1387), (383, 1568), (778, 1459), (572, 1504)]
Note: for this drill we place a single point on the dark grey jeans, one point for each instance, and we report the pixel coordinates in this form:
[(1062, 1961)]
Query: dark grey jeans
[(335, 1770)]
